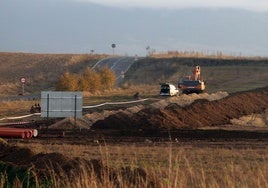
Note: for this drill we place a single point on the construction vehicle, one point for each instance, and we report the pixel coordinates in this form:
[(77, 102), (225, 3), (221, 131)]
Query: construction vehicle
[(192, 83), (167, 89)]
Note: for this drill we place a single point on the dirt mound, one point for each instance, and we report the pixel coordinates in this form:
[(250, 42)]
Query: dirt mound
[(15, 160), (14, 154), (43, 164), (89, 119), (253, 120), (70, 123), (199, 113)]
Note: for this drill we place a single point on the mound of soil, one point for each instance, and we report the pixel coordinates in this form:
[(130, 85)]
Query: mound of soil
[(253, 120), (200, 113), (56, 165), (90, 118)]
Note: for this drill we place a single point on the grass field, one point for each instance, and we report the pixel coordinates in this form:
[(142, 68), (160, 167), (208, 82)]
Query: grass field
[(170, 164)]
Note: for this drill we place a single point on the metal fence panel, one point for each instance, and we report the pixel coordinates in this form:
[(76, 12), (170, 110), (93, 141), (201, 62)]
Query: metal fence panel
[(61, 104)]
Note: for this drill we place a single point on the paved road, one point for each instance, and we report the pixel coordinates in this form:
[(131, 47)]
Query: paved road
[(119, 65)]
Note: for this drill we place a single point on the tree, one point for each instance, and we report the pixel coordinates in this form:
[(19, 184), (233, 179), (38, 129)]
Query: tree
[(67, 82), (90, 81), (107, 77)]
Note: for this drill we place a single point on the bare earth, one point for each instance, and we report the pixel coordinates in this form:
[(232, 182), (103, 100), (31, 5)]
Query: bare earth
[(207, 120), (203, 112)]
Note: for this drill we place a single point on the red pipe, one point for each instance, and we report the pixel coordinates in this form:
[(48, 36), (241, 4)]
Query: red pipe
[(13, 134), (28, 134), (18, 132), (34, 131)]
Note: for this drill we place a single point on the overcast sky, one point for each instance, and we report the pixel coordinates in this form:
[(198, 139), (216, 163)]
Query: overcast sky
[(254, 5), (79, 26)]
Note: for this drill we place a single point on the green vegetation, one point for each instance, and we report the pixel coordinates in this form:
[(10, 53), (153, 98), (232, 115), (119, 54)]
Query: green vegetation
[(13, 176)]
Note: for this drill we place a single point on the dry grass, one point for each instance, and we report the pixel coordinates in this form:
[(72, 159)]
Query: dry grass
[(22, 107), (121, 94), (196, 54), (16, 108), (235, 78), (43, 70), (221, 77), (171, 164), (40, 70)]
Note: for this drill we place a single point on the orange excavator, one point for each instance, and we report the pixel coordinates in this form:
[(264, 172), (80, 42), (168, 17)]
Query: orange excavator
[(192, 83)]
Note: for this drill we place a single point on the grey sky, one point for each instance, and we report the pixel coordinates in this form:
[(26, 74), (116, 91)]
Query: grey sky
[(79, 26), (254, 5)]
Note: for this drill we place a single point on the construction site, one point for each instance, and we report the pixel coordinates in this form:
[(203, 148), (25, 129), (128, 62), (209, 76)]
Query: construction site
[(153, 128)]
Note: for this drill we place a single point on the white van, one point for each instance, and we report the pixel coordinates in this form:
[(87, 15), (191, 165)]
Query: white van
[(167, 89)]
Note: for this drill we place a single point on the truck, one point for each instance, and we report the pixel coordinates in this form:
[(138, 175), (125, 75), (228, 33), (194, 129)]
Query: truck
[(168, 89), (192, 83)]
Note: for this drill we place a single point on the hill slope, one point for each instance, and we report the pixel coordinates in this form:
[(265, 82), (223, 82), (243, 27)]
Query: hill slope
[(40, 70), (229, 75)]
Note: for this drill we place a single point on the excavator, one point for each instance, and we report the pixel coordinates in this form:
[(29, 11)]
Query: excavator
[(192, 83)]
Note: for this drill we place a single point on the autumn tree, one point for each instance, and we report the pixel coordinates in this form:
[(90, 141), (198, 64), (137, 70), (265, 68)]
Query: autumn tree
[(90, 81), (107, 77), (68, 82)]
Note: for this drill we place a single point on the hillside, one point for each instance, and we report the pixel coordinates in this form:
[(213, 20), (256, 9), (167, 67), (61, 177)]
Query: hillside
[(229, 75), (43, 70), (40, 70)]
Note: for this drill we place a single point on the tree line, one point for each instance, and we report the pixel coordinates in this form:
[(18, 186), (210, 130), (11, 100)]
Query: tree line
[(90, 80)]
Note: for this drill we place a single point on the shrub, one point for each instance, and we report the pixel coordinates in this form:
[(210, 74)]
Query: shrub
[(67, 82), (90, 81), (107, 78)]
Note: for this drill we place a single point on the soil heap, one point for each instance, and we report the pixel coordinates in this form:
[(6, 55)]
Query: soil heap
[(21, 163), (200, 113)]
